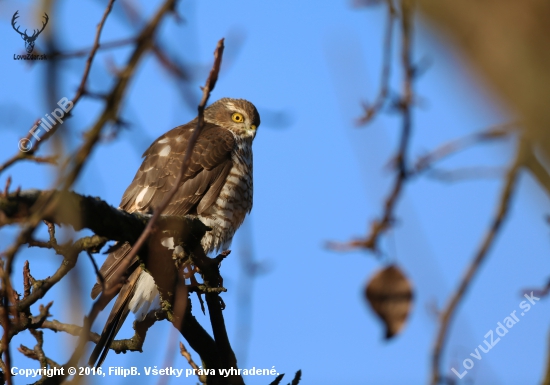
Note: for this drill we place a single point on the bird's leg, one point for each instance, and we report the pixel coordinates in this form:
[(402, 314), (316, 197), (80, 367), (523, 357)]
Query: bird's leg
[(220, 258), (188, 271), (222, 255)]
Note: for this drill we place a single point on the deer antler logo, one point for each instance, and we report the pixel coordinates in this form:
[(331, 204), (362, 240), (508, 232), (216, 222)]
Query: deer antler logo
[(29, 40)]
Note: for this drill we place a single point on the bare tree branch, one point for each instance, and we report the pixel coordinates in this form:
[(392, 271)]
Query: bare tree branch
[(82, 87), (187, 355), (109, 114), (80, 91), (380, 226), (372, 110), (494, 133), (94, 214), (446, 316)]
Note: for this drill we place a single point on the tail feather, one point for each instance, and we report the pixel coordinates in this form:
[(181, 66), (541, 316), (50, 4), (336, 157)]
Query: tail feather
[(117, 317), (112, 265)]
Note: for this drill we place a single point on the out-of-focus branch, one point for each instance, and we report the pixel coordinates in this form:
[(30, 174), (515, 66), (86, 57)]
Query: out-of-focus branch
[(104, 220), (114, 98), (546, 380), (80, 91), (481, 29), (28, 156), (537, 169), (199, 340), (447, 314), (104, 46), (379, 226), (95, 46), (466, 173), (63, 207), (16, 325), (110, 113), (70, 253), (119, 346), (177, 70), (7, 329), (425, 162), (187, 355), (112, 224), (373, 109)]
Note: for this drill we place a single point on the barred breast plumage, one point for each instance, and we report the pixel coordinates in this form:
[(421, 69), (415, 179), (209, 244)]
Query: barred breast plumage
[(234, 201)]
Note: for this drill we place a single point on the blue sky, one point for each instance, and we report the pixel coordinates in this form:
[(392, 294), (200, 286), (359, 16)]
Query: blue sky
[(317, 177)]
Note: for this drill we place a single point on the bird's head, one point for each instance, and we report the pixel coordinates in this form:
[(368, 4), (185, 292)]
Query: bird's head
[(237, 115)]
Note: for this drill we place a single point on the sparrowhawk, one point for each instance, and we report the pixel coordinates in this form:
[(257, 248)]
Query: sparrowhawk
[(216, 188)]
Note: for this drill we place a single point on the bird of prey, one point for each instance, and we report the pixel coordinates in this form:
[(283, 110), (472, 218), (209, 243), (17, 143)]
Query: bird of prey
[(216, 188)]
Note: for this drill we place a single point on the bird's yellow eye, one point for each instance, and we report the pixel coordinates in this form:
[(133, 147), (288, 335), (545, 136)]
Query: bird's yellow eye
[(237, 117)]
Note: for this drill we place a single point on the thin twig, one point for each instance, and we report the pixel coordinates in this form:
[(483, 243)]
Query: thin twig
[(537, 169), (187, 355), (426, 161), (169, 355), (103, 46), (297, 378), (93, 51), (82, 87), (70, 254), (379, 226), (27, 280), (546, 380), (96, 269), (80, 91), (114, 99), (39, 347), (466, 173), (373, 109), (7, 187), (20, 155), (447, 314), (109, 113), (29, 156), (277, 379), (26, 233), (71, 329), (119, 346)]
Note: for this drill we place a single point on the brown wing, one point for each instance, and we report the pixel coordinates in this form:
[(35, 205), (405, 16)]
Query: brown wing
[(209, 167), (111, 264)]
